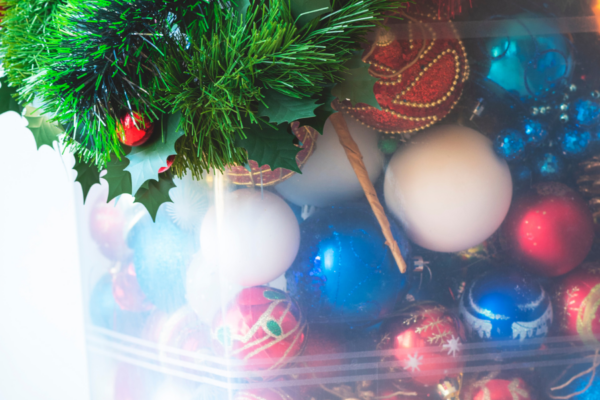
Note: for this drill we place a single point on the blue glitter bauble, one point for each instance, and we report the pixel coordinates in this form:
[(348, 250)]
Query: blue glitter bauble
[(522, 176), (504, 305), (524, 64), (574, 142), (106, 313), (535, 132), (548, 166), (585, 112), (344, 271), (162, 253), (510, 145)]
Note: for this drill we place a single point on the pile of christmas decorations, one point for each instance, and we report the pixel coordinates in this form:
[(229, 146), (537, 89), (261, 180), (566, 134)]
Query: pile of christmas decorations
[(327, 199)]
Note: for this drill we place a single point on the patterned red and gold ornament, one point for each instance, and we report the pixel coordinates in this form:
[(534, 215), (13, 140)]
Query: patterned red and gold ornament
[(263, 327), (501, 389), (549, 230), (264, 176), (262, 394), (578, 303), (428, 344), (420, 78)]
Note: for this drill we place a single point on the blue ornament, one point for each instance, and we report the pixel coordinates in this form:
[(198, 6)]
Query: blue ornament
[(527, 65), (548, 166), (535, 132), (162, 253), (344, 271), (106, 313), (505, 304), (585, 112), (574, 142), (510, 145), (522, 176)]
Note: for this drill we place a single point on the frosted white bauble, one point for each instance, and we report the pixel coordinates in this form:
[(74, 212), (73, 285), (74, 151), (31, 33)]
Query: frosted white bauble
[(448, 188), (255, 242), (327, 177)]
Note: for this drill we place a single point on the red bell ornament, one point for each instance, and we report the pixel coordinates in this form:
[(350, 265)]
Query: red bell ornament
[(578, 303), (134, 129), (420, 78), (428, 344), (263, 327), (501, 389), (549, 230)]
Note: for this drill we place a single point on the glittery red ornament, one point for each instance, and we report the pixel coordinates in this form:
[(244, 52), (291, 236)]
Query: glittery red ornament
[(107, 228), (420, 79), (263, 327), (170, 160), (429, 340), (264, 176), (134, 133), (578, 302), (549, 230), (127, 292), (501, 389), (262, 394)]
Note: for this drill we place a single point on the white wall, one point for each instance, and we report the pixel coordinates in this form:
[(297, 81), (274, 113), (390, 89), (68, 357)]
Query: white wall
[(41, 318)]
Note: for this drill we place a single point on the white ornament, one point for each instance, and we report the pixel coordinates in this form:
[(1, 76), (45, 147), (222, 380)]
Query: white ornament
[(190, 200), (252, 239), (448, 188), (328, 177)]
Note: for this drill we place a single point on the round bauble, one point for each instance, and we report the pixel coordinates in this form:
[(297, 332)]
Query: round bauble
[(264, 176), (585, 112), (170, 160), (134, 129), (255, 242), (162, 253), (127, 292), (510, 145), (328, 177), (527, 65), (574, 143), (106, 313), (344, 271), (448, 188), (108, 225), (262, 394), (420, 80), (505, 304), (263, 327), (548, 166), (549, 230), (578, 302), (501, 389), (535, 132), (426, 326)]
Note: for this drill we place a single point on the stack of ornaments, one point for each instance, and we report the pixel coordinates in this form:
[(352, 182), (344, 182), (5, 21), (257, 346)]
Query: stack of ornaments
[(288, 278)]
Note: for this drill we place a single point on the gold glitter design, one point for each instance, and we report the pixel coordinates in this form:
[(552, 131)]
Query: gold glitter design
[(587, 313)]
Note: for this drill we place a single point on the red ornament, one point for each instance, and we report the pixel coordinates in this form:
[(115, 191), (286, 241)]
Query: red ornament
[(262, 394), (170, 160), (428, 327), (134, 133), (262, 326), (549, 230), (578, 302), (320, 342), (501, 389), (264, 176), (129, 383), (107, 228), (420, 79), (127, 292)]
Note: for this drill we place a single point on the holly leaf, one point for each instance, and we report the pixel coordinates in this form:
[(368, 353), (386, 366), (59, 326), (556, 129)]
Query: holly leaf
[(7, 101), (280, 108), (146, 160), (270, 145), (87, 175), (305, 11), (153, 193), (119, 180), (357, 85), (44, 132), (322, 112)]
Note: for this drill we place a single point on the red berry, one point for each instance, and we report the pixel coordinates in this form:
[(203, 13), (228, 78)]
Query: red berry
[(134, 133), (170, 160)]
